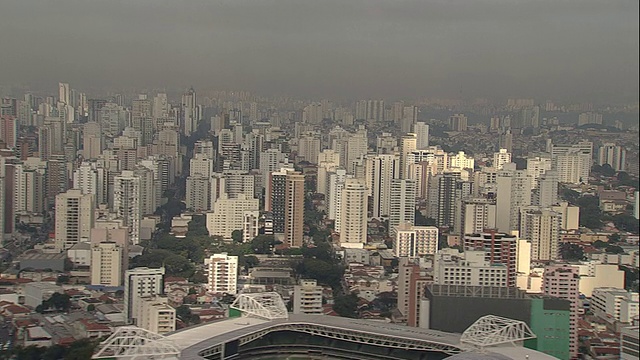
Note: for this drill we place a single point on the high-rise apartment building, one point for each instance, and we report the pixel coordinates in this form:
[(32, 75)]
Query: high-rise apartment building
[(469, 268), (384, 168), (307, 298), (614, 155), (402, 203), (229, 214), (222, 273), (190, 112), (514, 192), (541, 226), (422, 135), (108, 263), (408, 144), (198, 193), (572, 162), (498, 248), (294, 209), (74, 218), (476, 215), (353, 214), (127, 202), (412, 281), (139, 283), (563, 281), (458, 122), (500, 158), (415, 241)]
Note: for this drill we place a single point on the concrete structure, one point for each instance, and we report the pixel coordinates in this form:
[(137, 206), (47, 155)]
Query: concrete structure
[(476, 215), (594, 275), (74, 218), (468, 268), (222, 273), (198, 193), (563, 281), (353, 214), (415, 241), (499, 249), (514, 192), (285, 200), (37, 292), (139, 283), (541, 226), (613, 303), (572, 162), (108, 263), (630, 343), (500, 158), (402, 203), (569, 214), (156, 315), (412, 281), (307, 298), (127, 202), (383, 169), (229, 214)]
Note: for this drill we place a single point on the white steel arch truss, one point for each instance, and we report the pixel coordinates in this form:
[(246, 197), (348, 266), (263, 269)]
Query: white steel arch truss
[(266, 305), (493, 330), (130, 342)]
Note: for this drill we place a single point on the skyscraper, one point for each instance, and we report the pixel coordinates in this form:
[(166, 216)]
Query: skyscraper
[(500, 158), (190, 112), (353, 214), (127, 202), (422, 135), (542, 227), (384, 168), (514, 192), (498, 248), (402, 204), (74, 218)]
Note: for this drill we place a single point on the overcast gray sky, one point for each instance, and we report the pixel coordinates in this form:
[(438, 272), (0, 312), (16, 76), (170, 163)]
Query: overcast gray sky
[(562, 49)]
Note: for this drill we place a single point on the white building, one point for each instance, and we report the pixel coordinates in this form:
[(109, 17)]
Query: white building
[(127, 202), (572, 162), (536, 166), (569, 214), (139, 283), (108, 262), (198, 193), (500, 158), (222, 273), (468, 268), (415, 241), (228, 215), (542, 227), (307, 298), (514, 192), (476, 215), (383, 169), (402, 203), (421, 130), (74, 218), (614, 303), (353, 214), (156, 315)]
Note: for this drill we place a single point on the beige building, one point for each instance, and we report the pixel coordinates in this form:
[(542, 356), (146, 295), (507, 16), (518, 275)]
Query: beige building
[(74, 218), (156, 315), (307, 298), (294, 209), (353, 214), (108, 262), (229, 214)]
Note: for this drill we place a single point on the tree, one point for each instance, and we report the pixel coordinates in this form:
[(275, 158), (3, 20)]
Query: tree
[(346, 305), (590, 213), (57, 302), (614, 238), (421, 220), (251, 261), (263, 244), (236, 235), (183, 313), (599, 244), (91, 307), (626, 222), (571, 252), (614, 249)]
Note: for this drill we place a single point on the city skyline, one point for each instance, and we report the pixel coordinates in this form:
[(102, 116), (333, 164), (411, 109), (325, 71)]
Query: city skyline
[(570, 51)]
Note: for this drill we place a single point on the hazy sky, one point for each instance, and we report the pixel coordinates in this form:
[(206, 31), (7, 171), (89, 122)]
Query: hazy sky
[(562, 49)]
